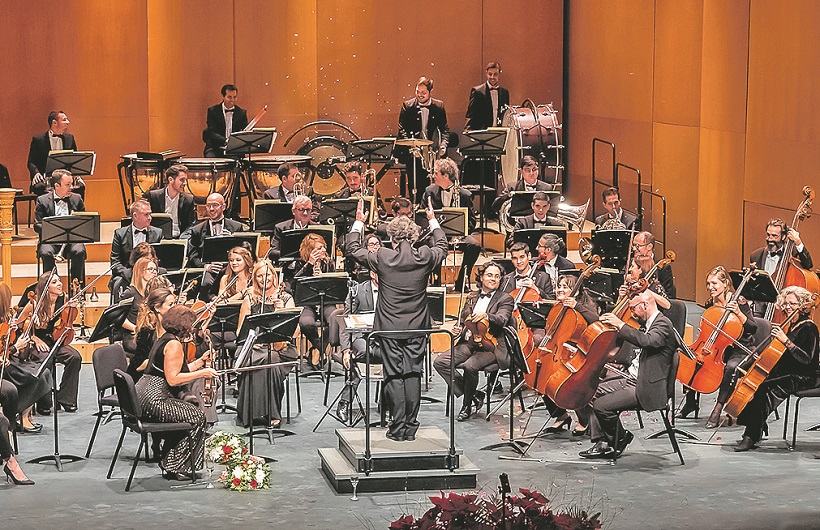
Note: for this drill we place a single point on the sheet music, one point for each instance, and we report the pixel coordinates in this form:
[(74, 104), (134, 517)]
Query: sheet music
[(360, 322)]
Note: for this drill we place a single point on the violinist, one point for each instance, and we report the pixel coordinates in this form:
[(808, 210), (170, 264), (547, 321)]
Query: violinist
[(643, 386), (493, 307), (643, 252), (240, 266), (634, 275), (719, 285), (145, 270), (165, 373), (314, 260), (796, 370), (148, 328), (50, 287), (264, 297)]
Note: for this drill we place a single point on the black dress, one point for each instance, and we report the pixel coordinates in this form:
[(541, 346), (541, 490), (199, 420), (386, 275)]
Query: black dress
[(70, 358), (156, 397)]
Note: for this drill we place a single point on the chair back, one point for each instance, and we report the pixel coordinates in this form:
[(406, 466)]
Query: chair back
[(673, 376), (127, 394), (677, 315), (105, 360), (764, 330)]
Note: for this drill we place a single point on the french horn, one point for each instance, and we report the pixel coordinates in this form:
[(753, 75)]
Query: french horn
[(573, 215)]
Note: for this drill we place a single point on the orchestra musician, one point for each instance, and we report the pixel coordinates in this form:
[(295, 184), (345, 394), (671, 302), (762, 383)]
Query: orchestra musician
[(61, 201), (128, 237), (528, 181), (56, 138), (487, 100), (549, 256), (634, 274), (404, 272), (490, 304), (796, 370), (538, 218), (354, 182), (422, 117), (145, 270), (614, 213), (302, 213), (265, 296), (174, 200), (157, 391), (240, 266), (223, 119), (286, 190), (645, 388), (313, 261), (643, 251), (523, 276), (158, 300), (11, 467), (51, 289), (446, 194)]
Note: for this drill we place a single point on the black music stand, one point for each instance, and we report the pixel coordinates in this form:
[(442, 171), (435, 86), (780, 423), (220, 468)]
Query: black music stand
[(215, 249), (264, 327), (110, 319), (51, 361), (521, 203), (534, 314), (226, 317), (342, 213), (267, 213), (81, 227), (78, 163), (613, 247), (292, 240), (759, 287), (453, 221), (321, 290), (240, 144), (171, 253), (369, 151), (483, 144)]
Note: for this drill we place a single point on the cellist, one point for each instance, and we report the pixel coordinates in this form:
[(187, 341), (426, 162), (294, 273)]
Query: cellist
[(524, 277), (796, 370), (768, 257)]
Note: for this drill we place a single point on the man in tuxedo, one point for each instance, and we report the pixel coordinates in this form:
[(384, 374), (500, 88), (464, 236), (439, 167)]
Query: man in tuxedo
[(422, 117), (550, 248), (496, 306), (174, 200), (223, 119), (302, 213), (487, 101), (354, 182), (646, 388), (128, 237), (56, 138), (403, 273), (61, 201), (443, 194), (285, 192), (612, 203), (527, 181), (643, 250), (524, 276), (538, 218)]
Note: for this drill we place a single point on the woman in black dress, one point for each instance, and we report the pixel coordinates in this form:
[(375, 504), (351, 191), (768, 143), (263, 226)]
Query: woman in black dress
[(156, 391), (149, 327), (145, 270), (314, 261)]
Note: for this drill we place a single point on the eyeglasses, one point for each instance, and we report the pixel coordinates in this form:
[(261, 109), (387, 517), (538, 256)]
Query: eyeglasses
[(637, 305), (374, 244), (303, 210)]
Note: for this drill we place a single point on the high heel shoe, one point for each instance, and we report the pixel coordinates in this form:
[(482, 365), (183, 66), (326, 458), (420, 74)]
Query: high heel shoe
[(686, 411), (17, 481), (315, 358), (560, 425), (578, 431)]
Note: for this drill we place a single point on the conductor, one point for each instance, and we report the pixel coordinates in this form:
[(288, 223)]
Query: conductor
[(403, 272)]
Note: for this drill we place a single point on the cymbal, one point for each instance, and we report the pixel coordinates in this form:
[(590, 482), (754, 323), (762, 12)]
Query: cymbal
[(413, 142)]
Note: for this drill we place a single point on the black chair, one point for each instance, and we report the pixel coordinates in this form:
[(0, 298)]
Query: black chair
[(105, 360), (132, 419), (800, 395)]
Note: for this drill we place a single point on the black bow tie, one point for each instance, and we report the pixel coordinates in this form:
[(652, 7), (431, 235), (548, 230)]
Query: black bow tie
[(229, 110), (60, 136), (496, 89), (521, 277), (61, 199), (776, 253), (144, 231), (486, 295)]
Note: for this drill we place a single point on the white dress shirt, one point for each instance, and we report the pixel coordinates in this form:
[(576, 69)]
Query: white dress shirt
[(172, 210)]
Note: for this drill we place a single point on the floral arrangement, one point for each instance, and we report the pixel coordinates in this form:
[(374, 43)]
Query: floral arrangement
[(242, 471), (470, 511)]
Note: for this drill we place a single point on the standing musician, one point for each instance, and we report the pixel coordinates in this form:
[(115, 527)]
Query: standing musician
[(487, 100), (646, 386), (643, 251), (128, 237), (314, 260), (61, 201), (528, 181), (174, 200), (493, 306), (166, 372), (446, 194), (240, 266), (265, 295), (302, 213), (51, 289), (614, 213), (287, 190), (404, 272), (796, 370), (549, 255), (354, 187), (145, 270), (223, 119), (422, 117), (56, 138)]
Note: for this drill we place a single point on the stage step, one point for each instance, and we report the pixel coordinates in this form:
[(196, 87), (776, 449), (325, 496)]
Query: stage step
[(428, 451)]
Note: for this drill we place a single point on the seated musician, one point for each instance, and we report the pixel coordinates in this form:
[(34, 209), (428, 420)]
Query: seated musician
[(61, 201), (643, 250), (525, 276), (313, 260), (51, 289), (174, 200), (550, 258), (528, 181), (240, 266), (354, 182), (490, 303), (264, 297), (635, 274), (643, 387), (159, 387), (443, 194), (56, 138), (302, 213), (287, 191), (768, 258), (615, 216), (158, 300), (128, 237), (796, 370), (221, 120), (538, 217), (145, 270)]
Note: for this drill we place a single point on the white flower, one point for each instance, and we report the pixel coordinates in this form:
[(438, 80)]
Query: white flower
[(237, 472), (260, 475)]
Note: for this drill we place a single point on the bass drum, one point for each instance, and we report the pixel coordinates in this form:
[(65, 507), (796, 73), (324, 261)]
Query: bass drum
[(326, 177), (210, 175), (533, 130), (263, 170)]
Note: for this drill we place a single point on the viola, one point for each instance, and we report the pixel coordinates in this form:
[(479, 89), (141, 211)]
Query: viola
[(701, 363), (64, 330), (480, 335)]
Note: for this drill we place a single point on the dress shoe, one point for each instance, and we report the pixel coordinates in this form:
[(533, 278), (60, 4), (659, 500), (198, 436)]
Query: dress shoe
[(68, 408), (34, 429), (580, 431), (627, 439), (560, 425), (395, 437), (410, 438), (687, 410), (43, 411), (745, 444), (478, 399), (19, 482), (465, 414), (341, 410), (498, 389), (600, 450)]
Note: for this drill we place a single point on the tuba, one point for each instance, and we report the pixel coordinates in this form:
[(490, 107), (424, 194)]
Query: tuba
[(573, 215), (505, 221)]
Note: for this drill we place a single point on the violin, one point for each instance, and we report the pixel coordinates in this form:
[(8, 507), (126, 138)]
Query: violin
[(480, 335)]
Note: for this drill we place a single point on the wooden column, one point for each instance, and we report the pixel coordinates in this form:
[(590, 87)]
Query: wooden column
[(6, 228)]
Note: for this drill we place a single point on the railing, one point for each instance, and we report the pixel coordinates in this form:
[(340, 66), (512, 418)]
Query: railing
[(611, 145)]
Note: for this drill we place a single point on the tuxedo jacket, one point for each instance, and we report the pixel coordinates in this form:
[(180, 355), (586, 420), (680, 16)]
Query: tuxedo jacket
[(39, 149), (480, 107), (499, 314), (410, 121), (758, 257), (541, 280), (199, 232), (525, 223), (214, 133), (186, 209), (277, 193), (45, 208), (658, 348), (465, 201), (519, 185), (361, 303), (628, 219), (123, 244)]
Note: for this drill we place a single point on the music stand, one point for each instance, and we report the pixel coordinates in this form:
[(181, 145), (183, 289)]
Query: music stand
[(80, 227), (292, 240), (521, 203), (78, 163), (342, 212), (483, 144), (246, 143), (531, 236), (613, 247), (453, 221), (277, 326), (321, 290), (759, 287), (215, 249), (226, 317), (534, 314), (267, 213), (375, 150), (171, 253), (110, 319)]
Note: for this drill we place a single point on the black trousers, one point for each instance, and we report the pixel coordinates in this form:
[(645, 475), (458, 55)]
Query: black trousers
[(471, 361), (403, 363), (72, 361), (612, 397), (75, 252)]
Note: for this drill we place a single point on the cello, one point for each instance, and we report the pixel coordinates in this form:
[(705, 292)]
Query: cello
[(701, 363), (527, 293)]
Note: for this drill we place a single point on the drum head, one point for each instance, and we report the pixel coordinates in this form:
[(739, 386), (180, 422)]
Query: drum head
[(325, 178), (509, 161), (209, 175), (264, 169)]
